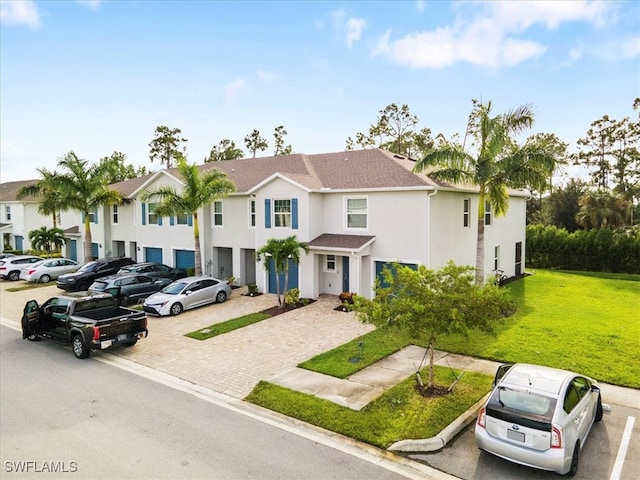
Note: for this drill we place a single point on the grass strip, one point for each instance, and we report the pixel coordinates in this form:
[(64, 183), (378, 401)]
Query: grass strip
[(228, 326)]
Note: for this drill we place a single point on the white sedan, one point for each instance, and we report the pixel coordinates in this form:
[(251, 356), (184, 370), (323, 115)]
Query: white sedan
[(539, 417), (47, 270), (187, 293)]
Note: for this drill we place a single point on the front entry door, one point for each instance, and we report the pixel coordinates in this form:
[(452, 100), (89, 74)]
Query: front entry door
[(345, 274)]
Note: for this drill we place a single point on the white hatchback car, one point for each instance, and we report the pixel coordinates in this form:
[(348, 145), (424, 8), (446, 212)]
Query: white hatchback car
[(539, 416), (48, 270)]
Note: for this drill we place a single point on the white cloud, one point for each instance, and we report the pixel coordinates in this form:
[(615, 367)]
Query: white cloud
[(630, 47), (489, 38), (19, 12), (268, 77), (233, 89), (355, 26), (90, 4), (420, 5)]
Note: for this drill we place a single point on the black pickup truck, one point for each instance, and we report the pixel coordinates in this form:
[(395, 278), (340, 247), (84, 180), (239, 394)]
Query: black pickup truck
[(86, 321)]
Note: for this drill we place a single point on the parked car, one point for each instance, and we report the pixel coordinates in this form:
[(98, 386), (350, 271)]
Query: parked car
[(47, 270), (154, 269), (129, 288), (6, 255), (90, 271), (187, 293), (10, 267), (539, 416)]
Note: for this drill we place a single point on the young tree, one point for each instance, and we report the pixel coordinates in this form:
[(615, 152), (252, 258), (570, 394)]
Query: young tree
[(254, 142), (199, 190), (47, 239), (281, 252), (495, 165), (164, 146), (279, 147), (84, 188), (225, 150), (429, 303), (117, 171), (51, 203)]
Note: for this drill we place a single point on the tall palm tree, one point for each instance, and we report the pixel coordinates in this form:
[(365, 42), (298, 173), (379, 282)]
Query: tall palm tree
[(496, 164), (281, 251), (199, 190), (83, 188), (47, 239), (45, 190)]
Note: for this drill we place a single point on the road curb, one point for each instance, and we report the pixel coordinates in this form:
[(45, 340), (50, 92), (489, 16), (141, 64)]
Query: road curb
[(438, 442)]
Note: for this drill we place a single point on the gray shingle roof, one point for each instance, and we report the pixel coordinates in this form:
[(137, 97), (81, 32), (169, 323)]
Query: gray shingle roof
[(9, 190), (336, 241)]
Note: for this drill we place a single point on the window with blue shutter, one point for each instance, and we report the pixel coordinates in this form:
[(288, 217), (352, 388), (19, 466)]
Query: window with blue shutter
[(144, 213), (267, 213)]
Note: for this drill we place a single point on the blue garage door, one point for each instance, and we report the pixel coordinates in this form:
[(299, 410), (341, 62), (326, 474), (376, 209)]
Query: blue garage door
[(380, 266), (293, 277), (152, 254), (72, 250), (185, 259)]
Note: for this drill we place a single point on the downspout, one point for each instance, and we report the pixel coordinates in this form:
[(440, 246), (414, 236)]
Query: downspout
[(429, 227)]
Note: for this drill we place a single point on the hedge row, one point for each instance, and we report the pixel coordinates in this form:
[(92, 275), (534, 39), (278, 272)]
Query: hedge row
[(596, 250)]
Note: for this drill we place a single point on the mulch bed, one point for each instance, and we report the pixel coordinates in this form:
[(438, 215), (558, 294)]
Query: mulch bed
[(273, 311)]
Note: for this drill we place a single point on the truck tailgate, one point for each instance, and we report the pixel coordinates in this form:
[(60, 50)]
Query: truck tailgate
[(125, 324)]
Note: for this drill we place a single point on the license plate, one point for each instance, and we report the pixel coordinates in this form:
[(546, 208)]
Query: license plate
[(106, 344), (517, 436)]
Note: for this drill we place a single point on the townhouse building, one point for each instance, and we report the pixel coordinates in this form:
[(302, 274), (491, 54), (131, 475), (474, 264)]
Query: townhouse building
[(357, 210)]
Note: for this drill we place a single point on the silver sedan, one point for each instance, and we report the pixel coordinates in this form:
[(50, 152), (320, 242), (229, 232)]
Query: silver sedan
[(47, 270), (187, 293)]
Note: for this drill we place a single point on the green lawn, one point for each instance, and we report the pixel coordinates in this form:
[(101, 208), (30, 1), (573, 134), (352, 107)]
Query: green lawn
[(228, 326), (584, 322)]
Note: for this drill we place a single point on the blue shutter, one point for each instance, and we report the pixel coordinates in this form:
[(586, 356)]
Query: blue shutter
[(159, 220), (144, 213), (95, 214), (267, 213), (294, 213), (190, 220), (171, 221)]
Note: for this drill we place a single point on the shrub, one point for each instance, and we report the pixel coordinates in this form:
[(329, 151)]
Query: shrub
[(292, 296), (252, 288)]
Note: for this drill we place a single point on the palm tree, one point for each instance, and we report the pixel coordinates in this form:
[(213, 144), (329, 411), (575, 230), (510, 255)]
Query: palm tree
[(83, 188), (45, 190), (47, 239), (496, 165), (601, 209), (199, 190), (281, 251)]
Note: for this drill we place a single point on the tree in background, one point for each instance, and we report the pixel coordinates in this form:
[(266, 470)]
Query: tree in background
[(84, 188), (164, 146), (44, 190), (429, 303), (495, 164), (281, 252), (601, 209), (118, 171), (254, 142), (561, 207), (278, 140), (47, 239), (225, 150), (199, 190)]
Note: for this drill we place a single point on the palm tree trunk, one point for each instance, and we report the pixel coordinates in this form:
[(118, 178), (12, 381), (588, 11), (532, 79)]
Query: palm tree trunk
[(480, 251), (196, 238), (88, 254)]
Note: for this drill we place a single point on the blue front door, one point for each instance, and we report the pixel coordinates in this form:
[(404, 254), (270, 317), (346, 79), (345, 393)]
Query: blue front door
[(72, 249), (345, 274)]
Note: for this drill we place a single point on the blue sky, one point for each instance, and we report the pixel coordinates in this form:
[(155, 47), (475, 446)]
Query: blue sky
[(98, 76)]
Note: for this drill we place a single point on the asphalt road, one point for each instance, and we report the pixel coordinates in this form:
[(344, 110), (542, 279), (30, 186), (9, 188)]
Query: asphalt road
[(462, 458), (65, 418)]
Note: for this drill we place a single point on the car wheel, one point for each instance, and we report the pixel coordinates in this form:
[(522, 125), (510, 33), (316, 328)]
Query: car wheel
[(176, 309), (80, 350), (45, 278), (598, 409), (221, 297), (574, 460), (14, 276), (82, 286), (33, 338)]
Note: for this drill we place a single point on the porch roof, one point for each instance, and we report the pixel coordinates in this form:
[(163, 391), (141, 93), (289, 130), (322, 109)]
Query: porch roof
[(335, 241)]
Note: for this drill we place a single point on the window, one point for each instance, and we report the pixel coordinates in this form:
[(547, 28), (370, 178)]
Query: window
[(496, 258), (252, 213), (182, 219), (152, 218), (466, 212), (330, 264), (282, 213), (487, 213), (115, 214), (356, 213), (7, 212), (93, 216), (217, 213)]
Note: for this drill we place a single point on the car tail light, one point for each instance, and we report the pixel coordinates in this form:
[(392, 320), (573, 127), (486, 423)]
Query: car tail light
[(31, 271), (556, 438), (482, 418), (96, 333)]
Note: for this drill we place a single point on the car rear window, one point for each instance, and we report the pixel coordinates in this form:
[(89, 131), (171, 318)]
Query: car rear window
[(522, 407), (98, 285)]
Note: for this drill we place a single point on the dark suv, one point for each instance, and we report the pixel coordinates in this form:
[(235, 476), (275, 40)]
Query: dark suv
[(87, 273)]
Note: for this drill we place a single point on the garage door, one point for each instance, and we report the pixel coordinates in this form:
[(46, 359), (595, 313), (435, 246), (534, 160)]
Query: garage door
[(293, 277), (380, 266), (153, 254), (185, 259)]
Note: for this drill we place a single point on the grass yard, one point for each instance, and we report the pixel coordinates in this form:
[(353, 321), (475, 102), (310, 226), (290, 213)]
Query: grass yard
[(228, 326)]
